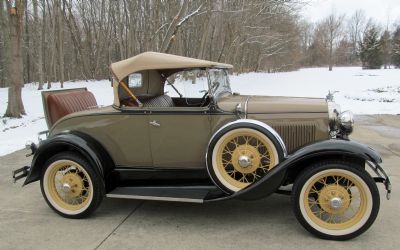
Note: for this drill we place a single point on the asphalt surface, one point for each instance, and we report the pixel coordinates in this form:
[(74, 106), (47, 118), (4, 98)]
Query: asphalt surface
[(26, 222)]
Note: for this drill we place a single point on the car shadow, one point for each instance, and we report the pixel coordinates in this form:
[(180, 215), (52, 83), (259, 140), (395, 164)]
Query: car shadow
[(274, 211)]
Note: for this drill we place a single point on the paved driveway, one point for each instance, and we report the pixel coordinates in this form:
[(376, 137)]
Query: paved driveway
[(26, 221)]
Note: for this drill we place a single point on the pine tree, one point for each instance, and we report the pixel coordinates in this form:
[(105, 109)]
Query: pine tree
[(386, 48), (371, 49), (396, 48)]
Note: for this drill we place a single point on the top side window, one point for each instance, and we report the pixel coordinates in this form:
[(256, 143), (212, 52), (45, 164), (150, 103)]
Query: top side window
[(135, 80)]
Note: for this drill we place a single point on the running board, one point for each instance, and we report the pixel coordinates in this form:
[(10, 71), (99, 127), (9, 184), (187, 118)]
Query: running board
[(192, 194)]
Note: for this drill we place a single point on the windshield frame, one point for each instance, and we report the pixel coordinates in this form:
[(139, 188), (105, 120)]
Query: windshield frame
[(224, 91)]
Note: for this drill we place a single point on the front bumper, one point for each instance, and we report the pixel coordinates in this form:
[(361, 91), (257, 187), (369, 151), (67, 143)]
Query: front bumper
[(382, 177)]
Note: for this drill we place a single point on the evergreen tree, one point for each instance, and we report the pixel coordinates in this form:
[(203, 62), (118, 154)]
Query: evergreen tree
[(371, 49), (396, 48), (386, 48)]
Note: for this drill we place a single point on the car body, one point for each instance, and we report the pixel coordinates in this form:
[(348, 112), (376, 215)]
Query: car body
[(207, 144)]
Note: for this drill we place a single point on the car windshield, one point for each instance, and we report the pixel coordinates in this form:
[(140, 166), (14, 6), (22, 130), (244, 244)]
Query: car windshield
[(219, 82)]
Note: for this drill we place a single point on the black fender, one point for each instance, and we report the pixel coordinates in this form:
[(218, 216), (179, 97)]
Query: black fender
[(82, 143), (329, 148)]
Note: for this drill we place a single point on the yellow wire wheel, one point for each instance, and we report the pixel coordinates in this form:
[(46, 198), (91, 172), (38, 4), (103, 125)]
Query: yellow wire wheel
[(68, 187), (337, 203), (243, 156)]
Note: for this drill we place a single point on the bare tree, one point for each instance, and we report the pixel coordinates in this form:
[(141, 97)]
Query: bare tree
[(15, 107), (38, 44), (173, 26), (334, 30), (60, 42), (4, 55), (26, 41), (356, 26)]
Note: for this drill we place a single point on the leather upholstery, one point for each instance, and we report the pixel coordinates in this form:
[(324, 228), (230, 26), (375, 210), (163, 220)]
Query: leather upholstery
[(159, 101), (64, 103)]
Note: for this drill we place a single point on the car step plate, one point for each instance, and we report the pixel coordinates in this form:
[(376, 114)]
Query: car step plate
[(193, 194)]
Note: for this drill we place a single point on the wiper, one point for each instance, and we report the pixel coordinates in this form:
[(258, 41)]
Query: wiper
[(170, 84)]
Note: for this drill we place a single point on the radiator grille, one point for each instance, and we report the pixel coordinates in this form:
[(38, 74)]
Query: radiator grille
[(296, 135)]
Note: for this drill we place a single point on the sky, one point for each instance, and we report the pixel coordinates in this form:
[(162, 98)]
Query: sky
[(380, 10)]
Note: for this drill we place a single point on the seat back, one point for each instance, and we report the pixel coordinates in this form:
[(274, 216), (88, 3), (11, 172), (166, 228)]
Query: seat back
[(60, 104), (159, 101)]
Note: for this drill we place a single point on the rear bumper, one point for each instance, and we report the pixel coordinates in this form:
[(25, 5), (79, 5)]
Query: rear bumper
[(20, 173), (24, 171)]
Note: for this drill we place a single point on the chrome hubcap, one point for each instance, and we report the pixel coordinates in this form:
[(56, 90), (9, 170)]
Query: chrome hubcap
[(336, 203), (66, 188), (244, 161)]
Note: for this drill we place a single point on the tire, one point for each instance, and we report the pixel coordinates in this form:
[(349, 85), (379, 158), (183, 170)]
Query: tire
[(242, 155), (333, 189), (70, 185)]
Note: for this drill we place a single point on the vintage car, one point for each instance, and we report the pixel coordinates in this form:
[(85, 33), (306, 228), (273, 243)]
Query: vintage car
[(176, 132)]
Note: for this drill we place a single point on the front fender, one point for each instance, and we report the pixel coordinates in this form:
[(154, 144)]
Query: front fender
[(70, 141), (274, 179)]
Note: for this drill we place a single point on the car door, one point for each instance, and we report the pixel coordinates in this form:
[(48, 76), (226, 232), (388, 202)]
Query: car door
[(179, 137)]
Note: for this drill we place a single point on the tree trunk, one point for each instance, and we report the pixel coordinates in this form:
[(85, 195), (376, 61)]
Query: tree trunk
[(331, 57), (15, 107), (205, 32), (169, 37), (76, 38), (60, 33), (27, 45), (38, 43), (3, 47)]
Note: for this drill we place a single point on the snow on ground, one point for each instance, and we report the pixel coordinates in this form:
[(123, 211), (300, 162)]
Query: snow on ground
[(362, 91)]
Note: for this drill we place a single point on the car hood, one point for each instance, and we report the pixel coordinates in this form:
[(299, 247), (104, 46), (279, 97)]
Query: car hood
[(273, 104)]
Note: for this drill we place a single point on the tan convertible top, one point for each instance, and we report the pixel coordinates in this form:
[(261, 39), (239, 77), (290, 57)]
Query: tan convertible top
[(154, 60)]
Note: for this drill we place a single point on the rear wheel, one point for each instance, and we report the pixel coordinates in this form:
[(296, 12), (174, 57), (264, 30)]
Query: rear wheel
[(70, 186), (335, 200)]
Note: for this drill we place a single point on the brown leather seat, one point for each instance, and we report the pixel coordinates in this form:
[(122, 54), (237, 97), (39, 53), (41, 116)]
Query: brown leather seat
[(64, 103), (159, 101)]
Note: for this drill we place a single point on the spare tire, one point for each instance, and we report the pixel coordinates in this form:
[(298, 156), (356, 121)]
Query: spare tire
[(241, 154)]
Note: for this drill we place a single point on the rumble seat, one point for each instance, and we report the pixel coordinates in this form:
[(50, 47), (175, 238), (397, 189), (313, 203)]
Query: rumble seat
[(159, 101), (64, 103)]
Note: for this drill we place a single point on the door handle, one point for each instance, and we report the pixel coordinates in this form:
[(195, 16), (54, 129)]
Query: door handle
[(155, 124)]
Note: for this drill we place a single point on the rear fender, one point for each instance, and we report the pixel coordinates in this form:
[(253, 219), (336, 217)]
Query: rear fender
[(71, 141), (329, 148)]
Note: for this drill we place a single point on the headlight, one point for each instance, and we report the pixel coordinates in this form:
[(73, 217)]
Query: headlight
[(346, 122)]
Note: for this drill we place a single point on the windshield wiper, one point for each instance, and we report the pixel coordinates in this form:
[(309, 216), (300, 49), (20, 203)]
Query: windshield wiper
[(170, 84)]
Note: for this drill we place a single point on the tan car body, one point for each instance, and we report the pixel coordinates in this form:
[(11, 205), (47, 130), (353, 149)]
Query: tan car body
[(184, 132)]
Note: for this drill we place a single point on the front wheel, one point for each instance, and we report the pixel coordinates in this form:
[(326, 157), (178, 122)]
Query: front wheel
[(241, 157), (335, 200), (70, 186)]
